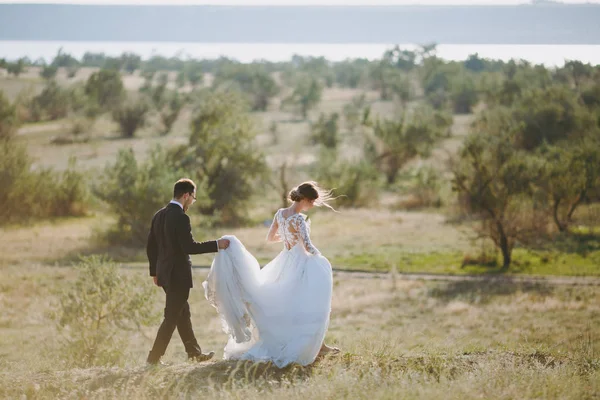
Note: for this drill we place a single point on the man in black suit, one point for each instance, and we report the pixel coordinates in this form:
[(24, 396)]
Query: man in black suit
[(170, 243)]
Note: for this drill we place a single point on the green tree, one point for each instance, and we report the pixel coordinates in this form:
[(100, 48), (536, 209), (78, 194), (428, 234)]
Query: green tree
[(463, 94), (8, 118), (48, 72), (402, 59), (571, 173), (325, 131), (494, 182), (548, 116), (170, 111), (354, 112), (253, 80), (306, 95), (224, 157), (578, 72), (474, 63), (64, 193), (194, 73), (131, 62), (64, 60), (105, 88), (113, 64), (389, 80), (351, 74), (131, 115), (395, 142), (51, 104), (591, 97), (93, 59), (134, 191), (16, 68)]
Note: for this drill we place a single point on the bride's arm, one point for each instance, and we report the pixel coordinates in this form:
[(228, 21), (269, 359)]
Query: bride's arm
[(273, 236), (300, 225)]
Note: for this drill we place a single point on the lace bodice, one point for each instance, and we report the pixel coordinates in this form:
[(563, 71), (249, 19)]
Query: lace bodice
[(291, 230)]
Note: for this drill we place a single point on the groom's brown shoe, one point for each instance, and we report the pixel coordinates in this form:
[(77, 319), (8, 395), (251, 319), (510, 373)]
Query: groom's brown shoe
[(201, 357)]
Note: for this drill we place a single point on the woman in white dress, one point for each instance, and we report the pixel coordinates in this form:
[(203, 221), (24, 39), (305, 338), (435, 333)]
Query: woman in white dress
[(279, 313)]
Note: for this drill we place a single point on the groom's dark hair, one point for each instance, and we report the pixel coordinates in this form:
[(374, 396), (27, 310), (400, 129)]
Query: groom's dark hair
[(182, 187)]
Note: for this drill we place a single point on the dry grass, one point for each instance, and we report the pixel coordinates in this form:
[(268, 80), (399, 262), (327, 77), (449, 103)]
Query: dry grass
[(338, 235), (400, 339)]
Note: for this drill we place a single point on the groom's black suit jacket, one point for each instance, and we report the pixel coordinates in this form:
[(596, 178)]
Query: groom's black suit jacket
[(170, 242)]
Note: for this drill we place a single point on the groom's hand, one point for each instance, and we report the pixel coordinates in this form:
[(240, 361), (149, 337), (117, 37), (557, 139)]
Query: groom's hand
[(223, 243), (155, 279)]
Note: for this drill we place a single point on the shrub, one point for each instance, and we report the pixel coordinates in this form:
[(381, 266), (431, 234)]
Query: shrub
[(222, 157), (135, 191), (325, 131), (131, 116), (30, 194), (8, 118), (357, 182), (96, 311)]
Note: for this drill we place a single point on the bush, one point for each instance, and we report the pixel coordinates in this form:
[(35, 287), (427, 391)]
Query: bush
[(495, 183), (105, 89), (356, 182), (170, 111), (464, 94), (253, 80), (51, 104), (30, 194), (222, 156), (425, 189), (49, 72), (354, 112), (135, 191), (131, 116), (8, 118), (395, 142), (16, 68), (325, 131), (96, 311), (307, 94)]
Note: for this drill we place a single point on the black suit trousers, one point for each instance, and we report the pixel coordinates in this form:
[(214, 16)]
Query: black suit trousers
[(177, 315)]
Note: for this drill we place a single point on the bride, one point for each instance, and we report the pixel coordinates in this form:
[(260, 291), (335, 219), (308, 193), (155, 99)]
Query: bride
[(279, 313)]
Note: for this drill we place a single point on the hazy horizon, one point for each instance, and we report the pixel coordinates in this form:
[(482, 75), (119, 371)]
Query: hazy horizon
[(294, 2), (549, 55)]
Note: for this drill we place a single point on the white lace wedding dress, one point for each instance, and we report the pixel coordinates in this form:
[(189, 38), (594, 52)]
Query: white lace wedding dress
[(279, 313)]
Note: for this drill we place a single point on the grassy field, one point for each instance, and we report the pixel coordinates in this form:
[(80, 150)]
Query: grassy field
[(378, 238), (399, 339)]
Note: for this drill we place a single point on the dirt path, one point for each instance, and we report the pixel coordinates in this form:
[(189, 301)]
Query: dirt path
[(549, 279)]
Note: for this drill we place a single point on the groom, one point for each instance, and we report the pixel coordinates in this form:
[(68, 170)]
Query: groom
[(169, 244)]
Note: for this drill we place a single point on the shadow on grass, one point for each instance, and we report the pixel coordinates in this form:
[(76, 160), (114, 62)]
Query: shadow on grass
[(484, 291), (579, 241), (187, 378)]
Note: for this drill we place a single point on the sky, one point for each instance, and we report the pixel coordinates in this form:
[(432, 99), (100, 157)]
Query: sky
[(295, 2)]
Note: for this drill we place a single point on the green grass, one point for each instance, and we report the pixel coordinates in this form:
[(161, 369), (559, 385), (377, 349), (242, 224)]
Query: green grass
[(525, 262)]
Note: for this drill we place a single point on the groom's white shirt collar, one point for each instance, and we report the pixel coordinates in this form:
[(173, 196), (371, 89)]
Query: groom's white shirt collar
[(176, 202)]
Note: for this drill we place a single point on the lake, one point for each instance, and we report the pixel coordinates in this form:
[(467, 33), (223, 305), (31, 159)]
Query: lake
[(550, 55)]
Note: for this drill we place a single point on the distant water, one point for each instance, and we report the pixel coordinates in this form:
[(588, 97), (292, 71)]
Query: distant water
[(549, 55)]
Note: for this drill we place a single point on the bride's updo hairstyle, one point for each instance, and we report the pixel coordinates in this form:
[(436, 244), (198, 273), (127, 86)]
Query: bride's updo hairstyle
[(311, 191)]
